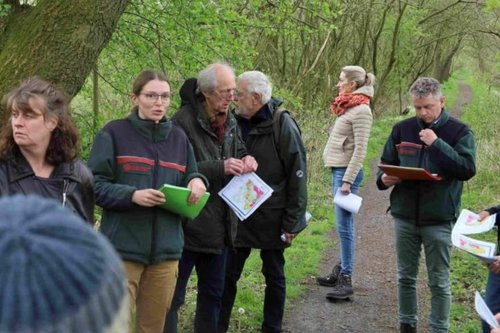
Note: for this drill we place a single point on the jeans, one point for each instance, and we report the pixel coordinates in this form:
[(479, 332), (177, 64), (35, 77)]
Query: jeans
[(210, 269), (344, 222), (150, 288), (436, 240), (273, 264), (492, 297)]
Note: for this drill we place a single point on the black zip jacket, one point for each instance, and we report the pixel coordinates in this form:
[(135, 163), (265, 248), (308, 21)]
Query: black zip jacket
[(70, 183), (284, 169)]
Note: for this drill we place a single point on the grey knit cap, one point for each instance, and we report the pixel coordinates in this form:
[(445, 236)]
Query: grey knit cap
[(57, 274)]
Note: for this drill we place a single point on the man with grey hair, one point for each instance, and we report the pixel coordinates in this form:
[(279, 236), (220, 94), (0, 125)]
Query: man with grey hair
[(212, 130), (424, 210), (274, 139)]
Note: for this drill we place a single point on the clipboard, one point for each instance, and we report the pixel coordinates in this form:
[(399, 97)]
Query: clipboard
[(408, 173), (177, 201)]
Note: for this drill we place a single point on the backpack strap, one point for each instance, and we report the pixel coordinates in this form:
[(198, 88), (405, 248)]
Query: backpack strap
[(277, 126)]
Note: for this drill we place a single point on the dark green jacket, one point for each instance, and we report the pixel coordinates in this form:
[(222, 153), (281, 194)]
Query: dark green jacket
[(215, 227), (134, 154), (283, 168), (451, 156)]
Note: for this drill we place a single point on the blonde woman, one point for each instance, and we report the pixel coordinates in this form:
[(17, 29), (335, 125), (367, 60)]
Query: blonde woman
[(344, 154)]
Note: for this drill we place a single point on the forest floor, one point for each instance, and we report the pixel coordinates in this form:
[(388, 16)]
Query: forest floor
[(373, 307)]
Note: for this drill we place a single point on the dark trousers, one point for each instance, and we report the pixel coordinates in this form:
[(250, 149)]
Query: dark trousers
[(273, 269), (210, 269), (492, 297)]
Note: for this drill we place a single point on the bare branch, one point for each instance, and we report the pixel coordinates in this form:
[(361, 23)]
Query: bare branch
[(489, 32), (445, 9)]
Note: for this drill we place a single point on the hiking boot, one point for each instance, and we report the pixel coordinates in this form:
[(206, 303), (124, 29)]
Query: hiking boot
[(331, 279), (342, 290), (407, 328)]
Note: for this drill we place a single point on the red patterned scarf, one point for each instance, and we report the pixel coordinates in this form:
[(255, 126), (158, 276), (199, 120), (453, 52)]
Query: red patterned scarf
[(345, 101), (217, 123)]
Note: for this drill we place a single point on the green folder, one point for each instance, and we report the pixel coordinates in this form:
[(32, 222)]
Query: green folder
[(177, 201)]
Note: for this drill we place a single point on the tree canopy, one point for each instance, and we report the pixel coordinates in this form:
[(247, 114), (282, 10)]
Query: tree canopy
[(301, 45)]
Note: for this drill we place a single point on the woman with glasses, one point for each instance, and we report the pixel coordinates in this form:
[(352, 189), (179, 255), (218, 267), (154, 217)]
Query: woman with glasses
[(131, 158), (39, 149), (344, 154)]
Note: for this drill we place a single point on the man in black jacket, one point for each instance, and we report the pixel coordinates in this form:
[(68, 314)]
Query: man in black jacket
[(220, 154), (271, 228), (424, 210)]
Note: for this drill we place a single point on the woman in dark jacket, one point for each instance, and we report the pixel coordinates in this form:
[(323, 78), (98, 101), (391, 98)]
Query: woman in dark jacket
[(39, 147), (131, 158)]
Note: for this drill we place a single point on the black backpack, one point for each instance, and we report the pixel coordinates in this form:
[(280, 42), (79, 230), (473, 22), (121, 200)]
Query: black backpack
[(277, 121)]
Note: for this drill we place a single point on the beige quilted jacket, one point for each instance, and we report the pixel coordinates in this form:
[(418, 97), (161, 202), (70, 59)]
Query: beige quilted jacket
[(348, 139)]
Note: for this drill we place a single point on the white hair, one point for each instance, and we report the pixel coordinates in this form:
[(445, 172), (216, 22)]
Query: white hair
[(207, 77), (258, 83)]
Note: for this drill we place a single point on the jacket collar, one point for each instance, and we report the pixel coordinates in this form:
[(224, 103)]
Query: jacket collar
[(365, 90), (274, 103), (263, 119), (149, 129), (18, 168), (439, 122)]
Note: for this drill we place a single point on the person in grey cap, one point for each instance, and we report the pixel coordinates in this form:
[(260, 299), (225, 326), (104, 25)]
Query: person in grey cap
[(57, 274)]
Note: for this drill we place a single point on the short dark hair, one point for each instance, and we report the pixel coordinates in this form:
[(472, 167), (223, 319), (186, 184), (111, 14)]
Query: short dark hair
[(63, 145)]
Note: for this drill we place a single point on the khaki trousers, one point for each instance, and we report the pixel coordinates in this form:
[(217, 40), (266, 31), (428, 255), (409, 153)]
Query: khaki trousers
[(150, 288)]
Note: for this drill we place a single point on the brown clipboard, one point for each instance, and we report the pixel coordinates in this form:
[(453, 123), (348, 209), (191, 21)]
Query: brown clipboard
[(408, 173)]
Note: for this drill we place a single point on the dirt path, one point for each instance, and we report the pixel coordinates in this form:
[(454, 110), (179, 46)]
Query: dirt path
[(373, 305), (373, 308)]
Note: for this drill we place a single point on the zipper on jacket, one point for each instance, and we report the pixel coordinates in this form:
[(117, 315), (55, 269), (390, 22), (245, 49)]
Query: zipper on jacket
[(65, 190), (155, 186), (419, 183)]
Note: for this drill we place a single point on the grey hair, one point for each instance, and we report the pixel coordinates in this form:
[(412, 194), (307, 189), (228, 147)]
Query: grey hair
[(207, 77), (424, 86), (358, 75), (258, 83)]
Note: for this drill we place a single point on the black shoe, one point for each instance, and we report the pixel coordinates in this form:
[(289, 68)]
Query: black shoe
[(331, 279), (342, 290), (407, 328)]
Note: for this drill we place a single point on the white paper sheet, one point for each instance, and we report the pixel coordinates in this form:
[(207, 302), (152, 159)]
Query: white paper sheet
[(245, 193), (483, 250), (350, 202), (485, 312), (468, 223)]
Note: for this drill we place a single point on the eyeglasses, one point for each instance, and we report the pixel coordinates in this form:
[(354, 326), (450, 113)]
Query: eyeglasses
[(239, 93), (226, 92), (153, 97)]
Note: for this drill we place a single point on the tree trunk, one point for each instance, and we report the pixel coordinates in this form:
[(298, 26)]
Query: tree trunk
[(58, 40)]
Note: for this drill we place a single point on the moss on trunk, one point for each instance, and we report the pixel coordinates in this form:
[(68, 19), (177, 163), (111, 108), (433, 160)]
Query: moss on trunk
[(58, 40)]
